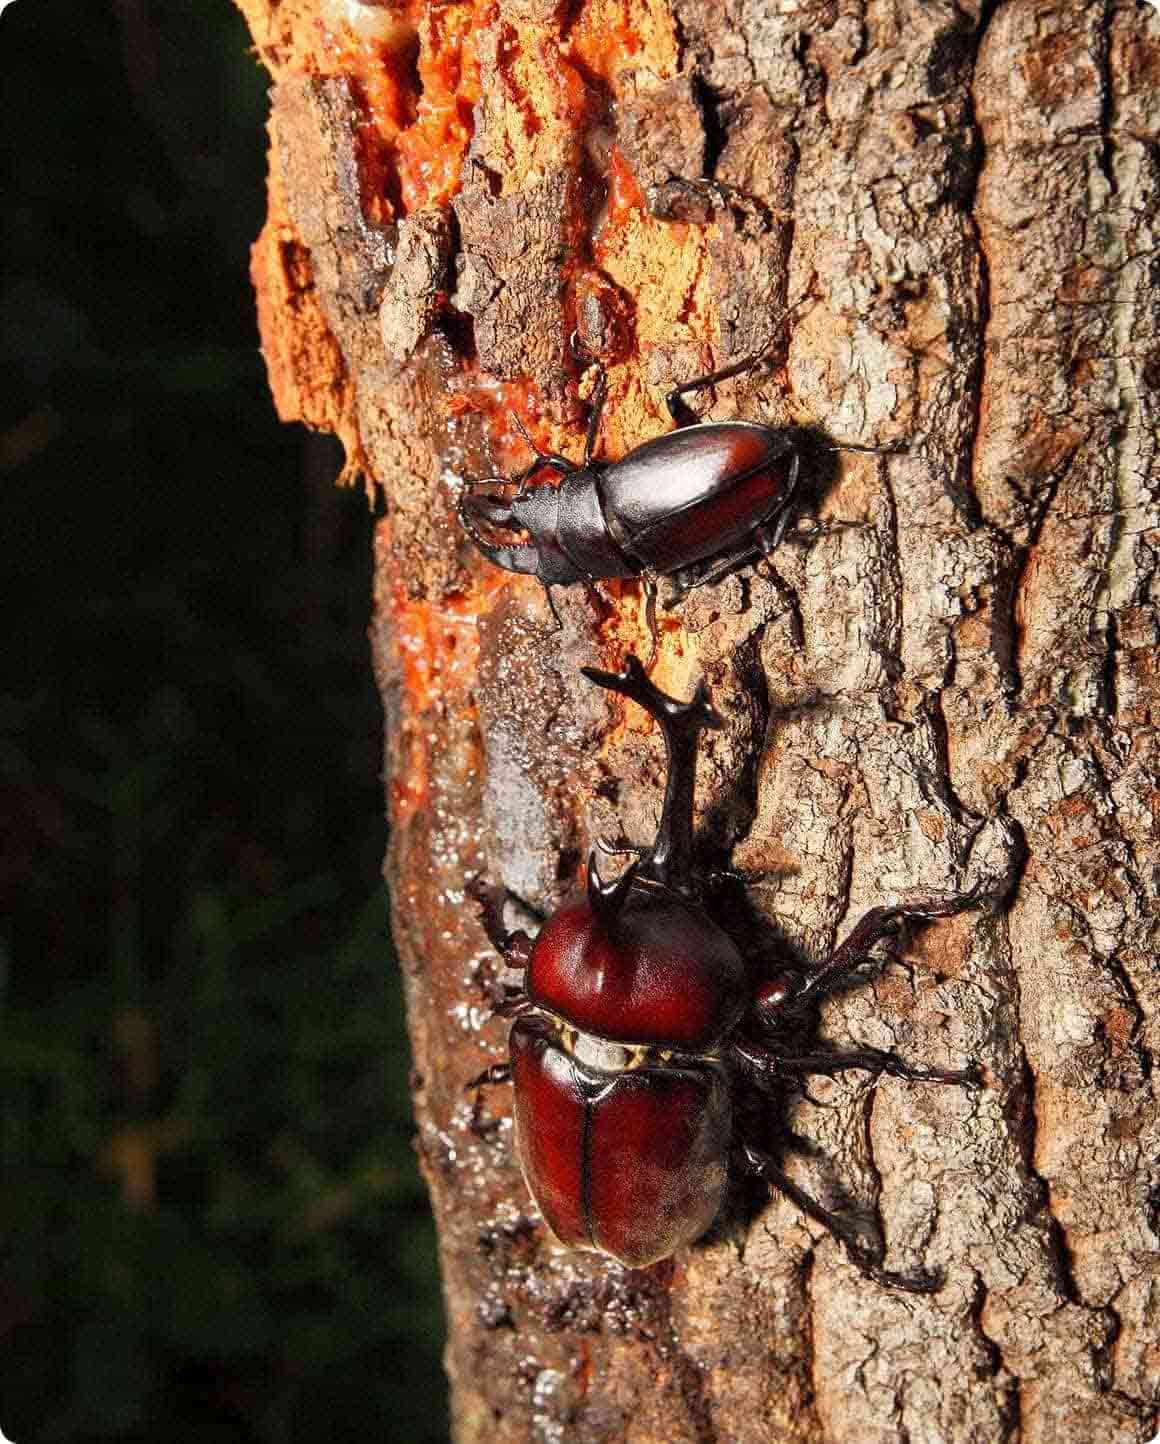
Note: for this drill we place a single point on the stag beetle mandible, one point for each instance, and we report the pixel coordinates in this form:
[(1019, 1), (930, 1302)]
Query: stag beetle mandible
[(636, 1014), (693, 505)]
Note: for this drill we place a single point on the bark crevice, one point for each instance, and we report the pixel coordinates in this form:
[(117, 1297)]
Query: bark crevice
[(963, 683)]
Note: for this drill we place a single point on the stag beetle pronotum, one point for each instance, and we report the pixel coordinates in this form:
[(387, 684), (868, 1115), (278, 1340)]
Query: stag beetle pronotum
[(636, 1016), (692, 505)]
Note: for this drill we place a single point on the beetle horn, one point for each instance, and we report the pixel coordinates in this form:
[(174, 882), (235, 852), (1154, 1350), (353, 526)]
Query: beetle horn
[(607, 898), (670, 859)]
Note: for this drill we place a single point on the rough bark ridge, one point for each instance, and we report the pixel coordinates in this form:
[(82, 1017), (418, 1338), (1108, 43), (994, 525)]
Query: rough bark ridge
[(963, 199)]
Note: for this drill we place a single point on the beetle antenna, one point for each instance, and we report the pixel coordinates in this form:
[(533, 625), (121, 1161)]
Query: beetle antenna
[(597, 409), (670, 859), (523, 431), (599, 394)]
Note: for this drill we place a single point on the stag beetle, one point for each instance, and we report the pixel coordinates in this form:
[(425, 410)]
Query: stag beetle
[(636, 1016), (693, 505)]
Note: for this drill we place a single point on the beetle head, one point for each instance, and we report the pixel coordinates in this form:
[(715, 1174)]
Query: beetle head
[(532, 512)]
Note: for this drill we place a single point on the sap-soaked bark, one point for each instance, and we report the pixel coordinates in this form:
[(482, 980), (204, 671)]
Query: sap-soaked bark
[(960, 201)]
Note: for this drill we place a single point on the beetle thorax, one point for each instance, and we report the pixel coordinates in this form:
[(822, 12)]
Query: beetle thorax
[(659, 976)]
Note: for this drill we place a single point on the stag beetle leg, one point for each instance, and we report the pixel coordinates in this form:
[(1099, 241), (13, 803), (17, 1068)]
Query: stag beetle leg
[(599, 396), (619, 849), (708, 574), (547, 586), (650, 589), (681, 414)]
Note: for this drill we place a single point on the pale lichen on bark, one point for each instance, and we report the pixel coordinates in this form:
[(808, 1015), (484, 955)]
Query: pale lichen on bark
[(959, 201)]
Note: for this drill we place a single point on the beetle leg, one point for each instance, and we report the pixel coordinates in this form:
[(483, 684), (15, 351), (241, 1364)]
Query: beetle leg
[(514, 948), (879, 923), (785, 515), (764, 1063), (597, 409), (599, 395), (812, 531), (649, 585), (677, 409), (514, 1004), (725, 565), (768, 542), (747, 877), (681, 414), (494, 1073), (870, 1262), (896, 449), (542, 459)]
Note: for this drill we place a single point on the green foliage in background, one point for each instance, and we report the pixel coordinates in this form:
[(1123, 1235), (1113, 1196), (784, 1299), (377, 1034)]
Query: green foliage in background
[(211, 1221)]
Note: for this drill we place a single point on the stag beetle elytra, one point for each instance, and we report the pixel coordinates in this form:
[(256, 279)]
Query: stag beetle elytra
[(636, 1016), (693, 505)]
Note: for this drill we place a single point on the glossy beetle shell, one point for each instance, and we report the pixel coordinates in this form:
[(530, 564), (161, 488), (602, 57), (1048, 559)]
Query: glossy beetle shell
[(693, 493), (660, 973), (631, 1163)]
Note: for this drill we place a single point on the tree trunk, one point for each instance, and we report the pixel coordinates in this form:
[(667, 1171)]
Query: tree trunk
[(958, 202)]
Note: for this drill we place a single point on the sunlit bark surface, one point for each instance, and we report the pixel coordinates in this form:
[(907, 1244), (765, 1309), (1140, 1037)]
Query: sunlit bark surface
[(959, 201)]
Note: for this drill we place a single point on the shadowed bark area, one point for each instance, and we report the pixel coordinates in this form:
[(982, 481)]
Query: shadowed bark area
[(957, 676)]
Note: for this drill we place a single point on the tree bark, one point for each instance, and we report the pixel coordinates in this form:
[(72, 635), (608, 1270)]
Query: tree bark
[(959, 202)]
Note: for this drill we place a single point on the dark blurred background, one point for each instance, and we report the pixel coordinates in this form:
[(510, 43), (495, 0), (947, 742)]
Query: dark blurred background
[(211, 1219)]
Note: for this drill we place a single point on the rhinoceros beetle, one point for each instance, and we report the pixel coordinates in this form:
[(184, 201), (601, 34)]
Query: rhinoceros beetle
[(693, 505), (636, 1017)]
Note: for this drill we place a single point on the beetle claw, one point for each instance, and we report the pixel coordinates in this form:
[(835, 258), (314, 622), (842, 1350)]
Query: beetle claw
[(916, 1283), (869, 1261), (948, 904)]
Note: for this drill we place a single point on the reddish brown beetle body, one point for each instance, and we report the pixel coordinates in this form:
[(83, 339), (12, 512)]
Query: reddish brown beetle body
[(660, 973), (630, 1161), (697, 493), (635, 1017)]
